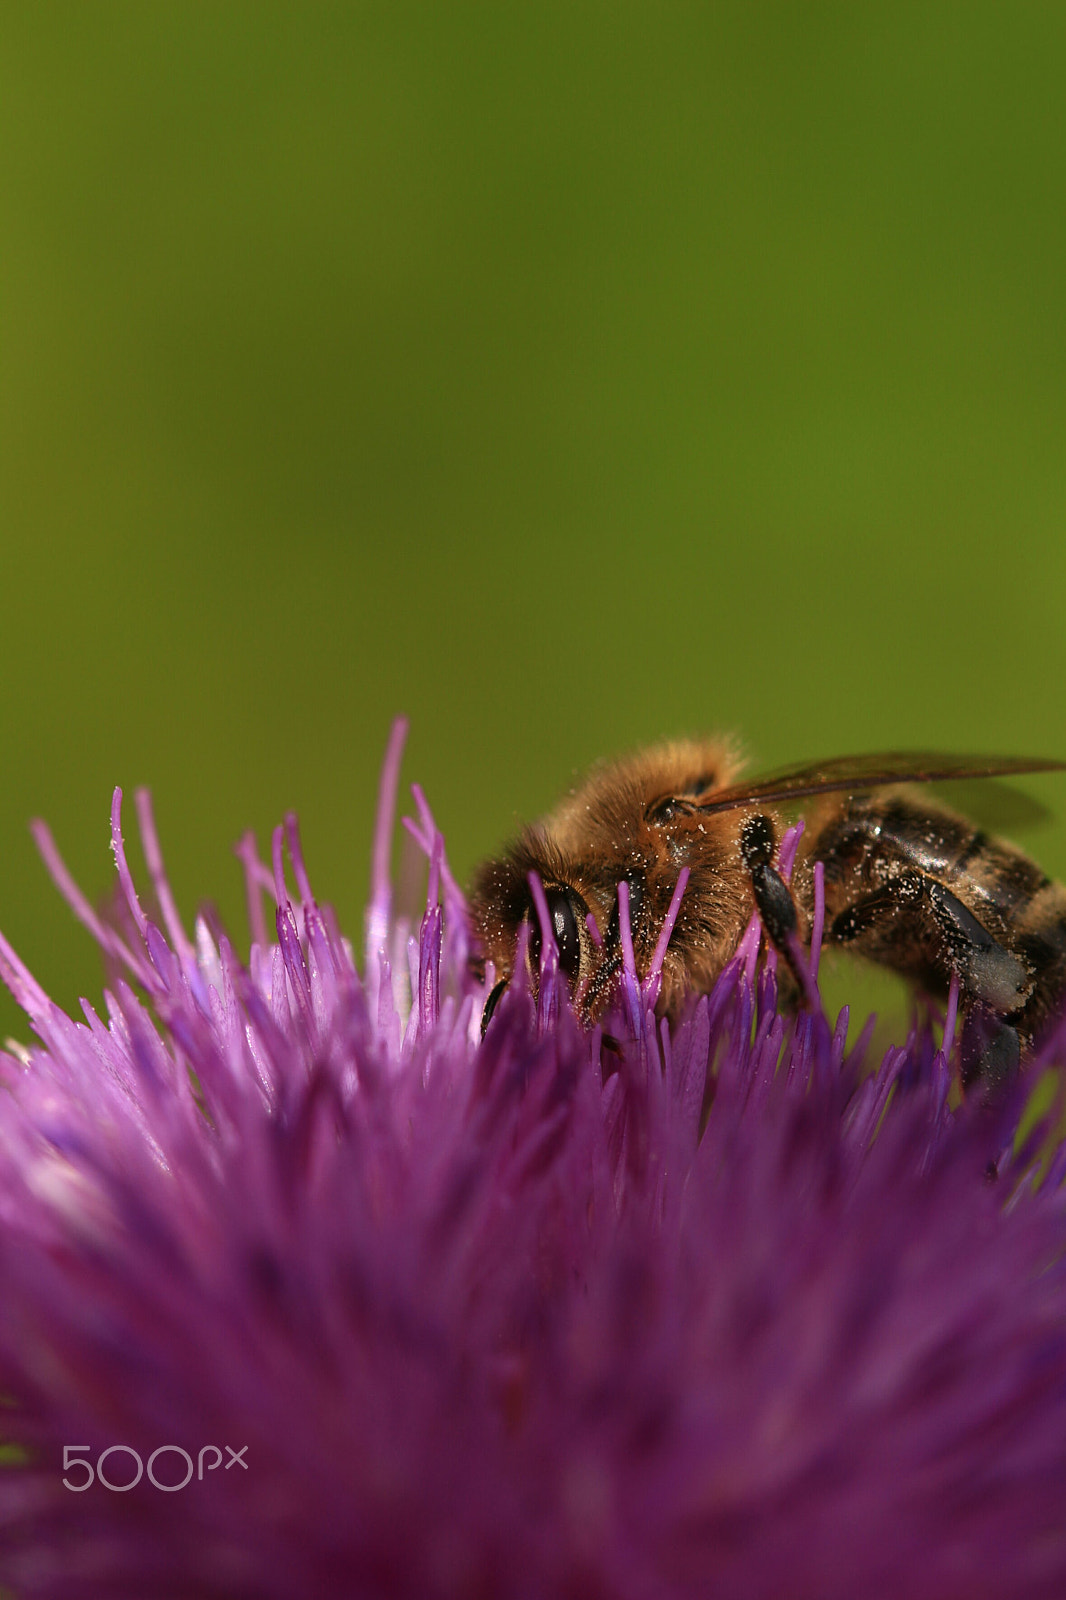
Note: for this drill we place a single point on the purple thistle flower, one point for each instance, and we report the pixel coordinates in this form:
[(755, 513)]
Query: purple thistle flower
[(436, 1316)]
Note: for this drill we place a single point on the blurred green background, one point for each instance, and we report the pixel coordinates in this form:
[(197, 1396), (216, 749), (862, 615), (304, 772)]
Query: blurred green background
[(562, 375)]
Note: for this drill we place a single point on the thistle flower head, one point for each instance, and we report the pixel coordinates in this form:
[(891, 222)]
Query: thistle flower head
[(744, 1316)]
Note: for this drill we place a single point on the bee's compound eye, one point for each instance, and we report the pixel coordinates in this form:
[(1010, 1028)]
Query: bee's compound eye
[(563, 908), (491, 1003), (562, 911)]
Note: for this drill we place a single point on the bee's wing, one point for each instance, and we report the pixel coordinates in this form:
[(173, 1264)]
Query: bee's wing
[(858, 773), (997, 806)]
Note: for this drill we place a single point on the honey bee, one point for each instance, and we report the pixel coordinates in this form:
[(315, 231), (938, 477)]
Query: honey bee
[(908, 883)]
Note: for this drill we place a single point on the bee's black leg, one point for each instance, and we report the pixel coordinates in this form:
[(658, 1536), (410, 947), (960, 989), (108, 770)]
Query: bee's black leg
[(773, 897), (881, 905), (772, 894), (995, 982), (987, 971), (990, 1049), (994, 975)]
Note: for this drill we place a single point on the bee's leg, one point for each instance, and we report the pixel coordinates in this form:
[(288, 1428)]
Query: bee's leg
[(990, 1049), (773, 897), (988, 971), (995, 983), (998, 982)]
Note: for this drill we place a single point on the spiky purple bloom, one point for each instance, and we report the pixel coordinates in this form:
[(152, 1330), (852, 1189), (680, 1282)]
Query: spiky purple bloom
[(740, 1321)]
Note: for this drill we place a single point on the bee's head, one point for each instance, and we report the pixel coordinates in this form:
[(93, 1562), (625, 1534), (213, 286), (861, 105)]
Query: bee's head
[(531, 891)]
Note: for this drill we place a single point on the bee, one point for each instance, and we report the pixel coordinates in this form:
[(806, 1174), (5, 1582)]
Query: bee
[(908, 883)]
